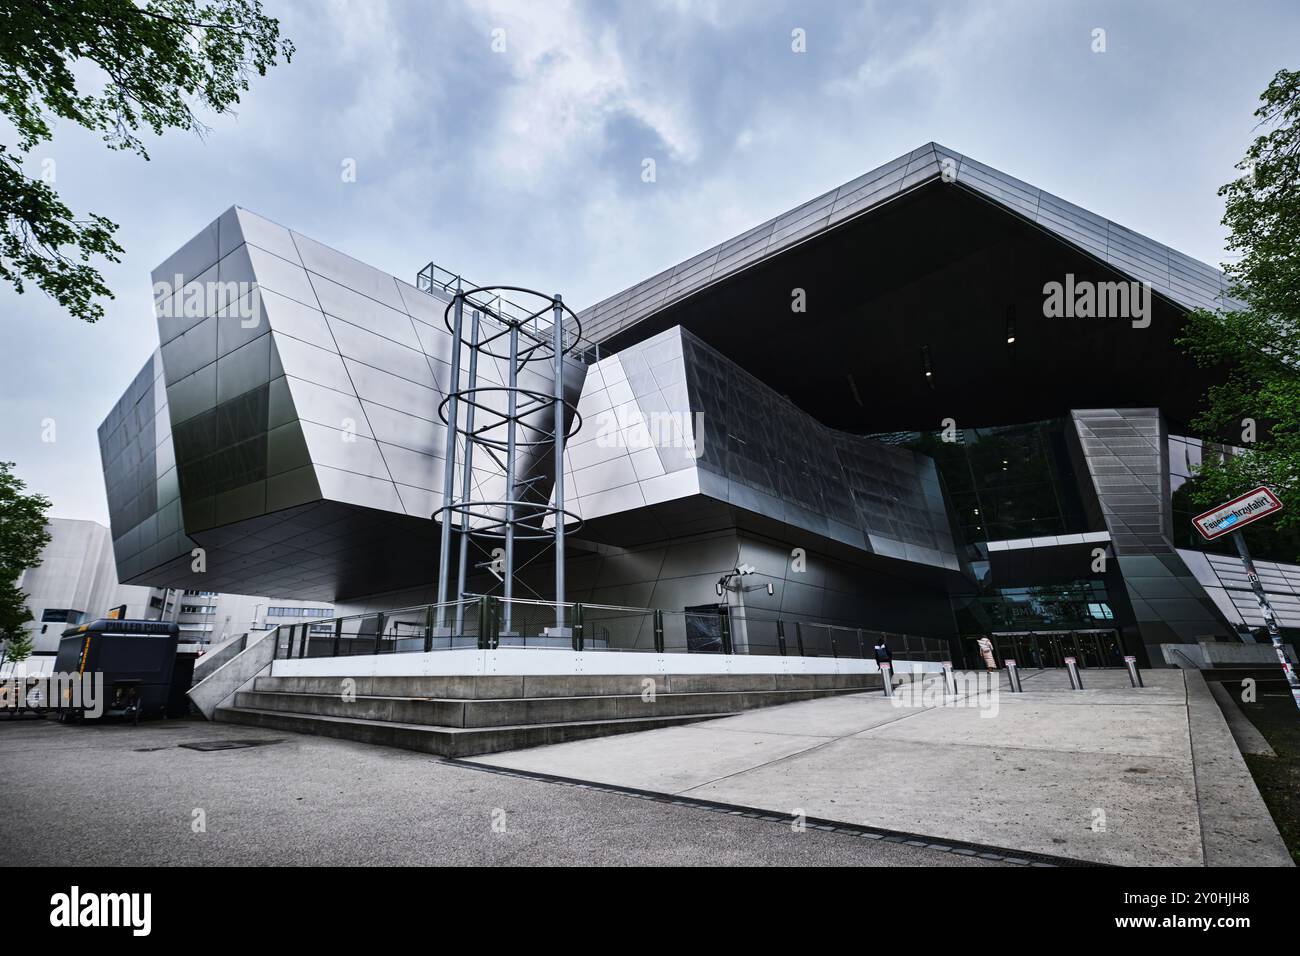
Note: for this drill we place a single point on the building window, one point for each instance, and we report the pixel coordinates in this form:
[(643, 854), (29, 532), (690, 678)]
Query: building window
[(198, 609), (300, 612), (62, 615)]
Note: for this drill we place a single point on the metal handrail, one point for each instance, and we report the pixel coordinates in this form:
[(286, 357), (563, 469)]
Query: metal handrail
[(482, 630), (434, 278)]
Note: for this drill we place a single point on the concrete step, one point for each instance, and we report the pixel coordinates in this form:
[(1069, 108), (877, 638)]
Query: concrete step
[(444, 741), (496, 687), (468, 713)]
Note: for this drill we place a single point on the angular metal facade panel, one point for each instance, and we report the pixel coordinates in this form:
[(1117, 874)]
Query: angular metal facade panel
[(1126, 452), (296, 381), (1224, 579), (1184, 280), (140, 477), (674, 419)]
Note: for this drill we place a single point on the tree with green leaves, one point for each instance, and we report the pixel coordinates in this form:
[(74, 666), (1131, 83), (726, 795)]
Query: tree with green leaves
[(23, 536), (119, 68), (1257, 406), (16, 648)]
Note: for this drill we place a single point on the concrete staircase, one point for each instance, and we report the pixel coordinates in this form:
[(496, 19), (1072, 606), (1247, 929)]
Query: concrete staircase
[(466, 715)]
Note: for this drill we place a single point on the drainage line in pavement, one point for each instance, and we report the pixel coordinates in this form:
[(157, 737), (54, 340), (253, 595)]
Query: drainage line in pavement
[(982, 851)]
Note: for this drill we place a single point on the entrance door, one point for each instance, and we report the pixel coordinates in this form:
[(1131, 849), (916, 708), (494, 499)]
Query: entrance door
[(1053, 652), (1039, 649)]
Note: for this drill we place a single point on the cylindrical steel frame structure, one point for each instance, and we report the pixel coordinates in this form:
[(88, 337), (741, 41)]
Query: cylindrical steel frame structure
[(514, 518), (467, 478), (449, 461), (557, 329)]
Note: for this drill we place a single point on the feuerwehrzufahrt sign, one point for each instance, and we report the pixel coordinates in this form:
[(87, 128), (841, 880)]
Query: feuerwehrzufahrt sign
[(1237, 513)]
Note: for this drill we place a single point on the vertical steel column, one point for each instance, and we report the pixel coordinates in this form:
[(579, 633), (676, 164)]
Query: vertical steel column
[(338, 635), (1270, 619), (558, 338), (512, 406), (466, 482), (449, 465)]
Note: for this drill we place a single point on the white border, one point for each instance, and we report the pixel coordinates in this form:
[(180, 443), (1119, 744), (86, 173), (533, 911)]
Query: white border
[(514, 661)]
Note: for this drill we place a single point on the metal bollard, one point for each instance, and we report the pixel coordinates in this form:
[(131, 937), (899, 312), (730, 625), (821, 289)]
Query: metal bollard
[(1134, 675), (485, 617), (1013, 676), (949, 679), (887, 677), (1072, 668)]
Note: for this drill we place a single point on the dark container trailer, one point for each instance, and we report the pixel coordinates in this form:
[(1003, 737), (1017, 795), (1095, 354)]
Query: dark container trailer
[(137, 659)]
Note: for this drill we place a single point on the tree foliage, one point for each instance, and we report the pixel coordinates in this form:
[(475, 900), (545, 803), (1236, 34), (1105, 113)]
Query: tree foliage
[(1258, 344), (23, 536), (119, 68)]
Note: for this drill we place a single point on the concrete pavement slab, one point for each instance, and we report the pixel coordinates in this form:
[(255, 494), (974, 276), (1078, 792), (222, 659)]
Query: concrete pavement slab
[(1132, 811), (1022, 721), (1107, 774), (835, 717), (105, 796), (671, 760)]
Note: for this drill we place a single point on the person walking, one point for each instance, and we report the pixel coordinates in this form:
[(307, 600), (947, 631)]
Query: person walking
[(883, 654), (986, 652), (885, 661)]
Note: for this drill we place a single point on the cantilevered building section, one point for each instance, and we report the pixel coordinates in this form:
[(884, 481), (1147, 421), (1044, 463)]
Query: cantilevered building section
[(862, 398)]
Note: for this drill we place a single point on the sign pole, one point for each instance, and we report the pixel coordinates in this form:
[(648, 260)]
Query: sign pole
[(1270, 619)]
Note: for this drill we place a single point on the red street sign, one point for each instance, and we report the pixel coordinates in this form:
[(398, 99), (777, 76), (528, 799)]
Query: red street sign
[(1130, 660), (1069, 660), (1009, 662), (1237, 513)]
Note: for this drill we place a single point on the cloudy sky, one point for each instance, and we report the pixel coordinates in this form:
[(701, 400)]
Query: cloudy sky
[(524, 165)]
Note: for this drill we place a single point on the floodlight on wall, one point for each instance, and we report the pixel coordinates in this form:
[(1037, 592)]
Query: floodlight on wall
[(727, 581)]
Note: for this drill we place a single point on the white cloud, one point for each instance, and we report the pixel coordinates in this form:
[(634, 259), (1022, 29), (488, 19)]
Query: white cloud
[(570, 80)]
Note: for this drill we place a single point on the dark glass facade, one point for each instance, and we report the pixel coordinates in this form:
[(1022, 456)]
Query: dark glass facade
[(1074, 604), (1006, 482)]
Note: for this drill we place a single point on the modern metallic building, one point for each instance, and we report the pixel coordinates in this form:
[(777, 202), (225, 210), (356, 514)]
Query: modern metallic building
[(868, 399)]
